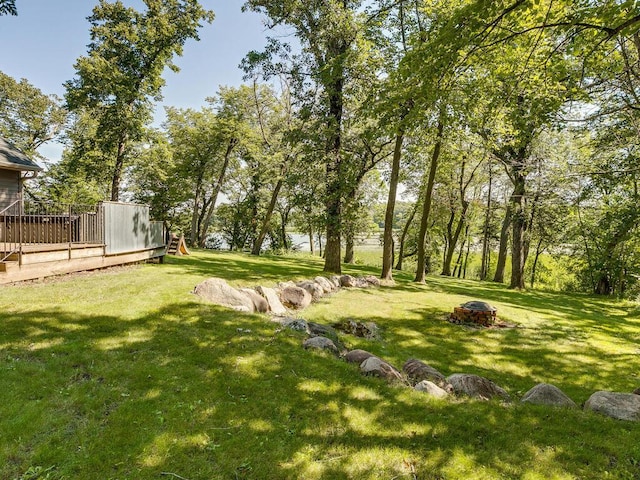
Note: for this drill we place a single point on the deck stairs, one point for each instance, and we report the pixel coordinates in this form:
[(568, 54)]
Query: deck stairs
[(172, 248)]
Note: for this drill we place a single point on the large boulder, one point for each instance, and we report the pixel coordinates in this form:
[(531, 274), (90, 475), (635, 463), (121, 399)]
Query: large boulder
[(313, 288), (216, 290), (418, 371), (260, 304), (270, 295), (326, 285), (335, 281), (546, 394), (295, 297), (321, 343), (371, 281), (623, 406), (348, 281), (476, 386), (431, 389), (357, 356), (379, 368)]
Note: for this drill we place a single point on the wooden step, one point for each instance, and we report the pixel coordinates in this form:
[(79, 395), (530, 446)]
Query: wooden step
[(9, 266)]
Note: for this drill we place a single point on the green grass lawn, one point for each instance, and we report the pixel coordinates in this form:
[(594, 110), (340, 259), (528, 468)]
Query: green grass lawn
[(124, 374)]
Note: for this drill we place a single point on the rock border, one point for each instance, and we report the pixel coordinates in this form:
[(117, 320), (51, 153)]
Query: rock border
[(287, 297), (422, 377), (416, 374)]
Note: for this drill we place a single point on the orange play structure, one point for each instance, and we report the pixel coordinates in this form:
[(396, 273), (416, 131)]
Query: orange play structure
[(177, 246)]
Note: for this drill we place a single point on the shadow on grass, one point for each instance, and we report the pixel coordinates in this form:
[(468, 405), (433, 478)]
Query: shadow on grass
[(202, 392), (241, 267)]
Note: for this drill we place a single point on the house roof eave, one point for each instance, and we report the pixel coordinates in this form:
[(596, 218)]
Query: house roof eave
[(13, 159)]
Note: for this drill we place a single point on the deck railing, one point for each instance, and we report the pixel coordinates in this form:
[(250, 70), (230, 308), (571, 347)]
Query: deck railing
[(118, 227), (24, 223), (8, 216)]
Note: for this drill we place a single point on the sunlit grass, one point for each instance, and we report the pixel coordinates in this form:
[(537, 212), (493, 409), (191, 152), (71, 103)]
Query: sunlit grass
[(126, 374)]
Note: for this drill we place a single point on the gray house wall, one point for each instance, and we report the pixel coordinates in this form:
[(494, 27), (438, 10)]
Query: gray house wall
[(10, 185)]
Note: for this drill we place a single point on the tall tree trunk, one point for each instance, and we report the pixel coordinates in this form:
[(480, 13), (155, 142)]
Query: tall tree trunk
[(457, 270), (486, 246), (387, 247), (349, 235), (116, 178), (257, 245), (504, 246), (202, 238), (519, 226), (195, 215), (334, 190), (403, 237), (426, 207), (312, 243), (535, 261), (284, 219), (466, 255), (333, 248), (452, 239), (349, 251)]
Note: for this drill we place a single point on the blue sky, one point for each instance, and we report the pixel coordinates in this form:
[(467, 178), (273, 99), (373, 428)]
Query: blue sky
[(43, 42)]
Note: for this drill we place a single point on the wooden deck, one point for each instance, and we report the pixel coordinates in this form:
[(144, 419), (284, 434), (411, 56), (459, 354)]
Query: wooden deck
[(42, 260)]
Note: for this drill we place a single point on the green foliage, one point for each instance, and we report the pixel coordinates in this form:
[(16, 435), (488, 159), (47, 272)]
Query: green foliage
[(28, 117), (8, 7), (121, 76)]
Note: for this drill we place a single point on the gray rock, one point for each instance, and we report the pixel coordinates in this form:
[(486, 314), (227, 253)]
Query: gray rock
[(476, 386), (418, 371), (637, 391), (357, 356), (260, 304), (295, 297), (315, 290), (371, 280), (216, 290), (270, 295), (367, 330), (317, 329), (348, 281), (431, 389), (297, 324), (379, 368), (335, 281), (320, 343), (546, 394), (326, 285), (623, 406)]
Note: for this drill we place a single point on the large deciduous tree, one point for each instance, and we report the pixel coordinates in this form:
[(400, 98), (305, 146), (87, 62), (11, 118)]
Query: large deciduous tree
[(28, 117), (121, 75), (327, 32)]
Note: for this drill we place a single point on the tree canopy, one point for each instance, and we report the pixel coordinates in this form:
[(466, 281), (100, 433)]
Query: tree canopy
[(497, 137)]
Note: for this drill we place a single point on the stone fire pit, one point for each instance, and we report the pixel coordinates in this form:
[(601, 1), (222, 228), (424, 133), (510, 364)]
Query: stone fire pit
[(475, 311)]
